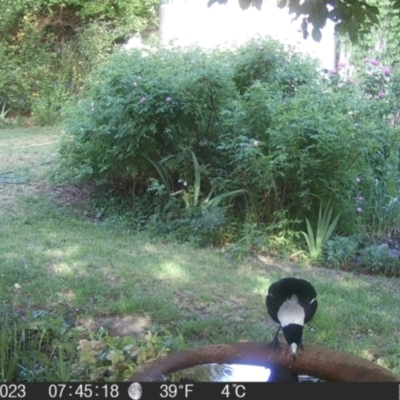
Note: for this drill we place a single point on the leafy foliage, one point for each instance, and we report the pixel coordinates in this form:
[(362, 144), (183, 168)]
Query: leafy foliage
[(379, 260), (350, 17), (235, 145), (339, 252), (45, 348), (48, 46), (382, 42)]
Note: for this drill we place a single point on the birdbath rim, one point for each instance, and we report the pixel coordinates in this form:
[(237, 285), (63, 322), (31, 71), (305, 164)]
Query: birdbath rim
[(326, 364)]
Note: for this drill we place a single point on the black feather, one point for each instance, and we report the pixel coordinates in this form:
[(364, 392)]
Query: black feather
[(283, 290)]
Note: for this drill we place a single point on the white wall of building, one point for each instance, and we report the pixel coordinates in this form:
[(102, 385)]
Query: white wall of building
[(191, 21)]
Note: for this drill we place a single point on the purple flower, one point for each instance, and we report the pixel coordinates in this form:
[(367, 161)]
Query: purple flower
[(358, 180), (169, 98), (374, 62), (333, 72), (381, 94), (359, 210), (341, 65), (361, 198), (367, 60), (351, 82), (386, 70), (143, 99), (256, 143)]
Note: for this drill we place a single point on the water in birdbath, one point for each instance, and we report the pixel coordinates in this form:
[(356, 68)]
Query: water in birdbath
[(239, 373)]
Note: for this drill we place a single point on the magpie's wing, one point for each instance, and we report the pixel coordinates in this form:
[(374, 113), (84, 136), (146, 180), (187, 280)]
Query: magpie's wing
[(272, 307), (310, 309)]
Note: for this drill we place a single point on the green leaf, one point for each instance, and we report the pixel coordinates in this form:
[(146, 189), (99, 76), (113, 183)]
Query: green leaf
[(374, 9), (294, 7), (316, 34), (282, 3), (244, 4), (217, 199), (341, 28), (166, 180), (197, 180), (396, 5), (257, 4), (304, 26), (372, 16), (352, 29)]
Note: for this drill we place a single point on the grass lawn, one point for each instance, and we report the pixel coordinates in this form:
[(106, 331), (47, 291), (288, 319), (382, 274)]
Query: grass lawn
[(55, 255)]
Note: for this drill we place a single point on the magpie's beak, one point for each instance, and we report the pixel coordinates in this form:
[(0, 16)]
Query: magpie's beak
[(293, 349)]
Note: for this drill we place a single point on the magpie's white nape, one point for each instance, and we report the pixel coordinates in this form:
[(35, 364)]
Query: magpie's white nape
[(291, 303)]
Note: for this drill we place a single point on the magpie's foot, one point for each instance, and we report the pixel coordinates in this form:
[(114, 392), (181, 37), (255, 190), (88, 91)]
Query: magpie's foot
[(275, 343)]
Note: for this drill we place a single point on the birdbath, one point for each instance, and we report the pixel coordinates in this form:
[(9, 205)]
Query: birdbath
[(326, 364)]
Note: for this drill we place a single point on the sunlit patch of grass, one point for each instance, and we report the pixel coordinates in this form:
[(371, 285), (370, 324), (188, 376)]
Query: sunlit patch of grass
[(172, 271)]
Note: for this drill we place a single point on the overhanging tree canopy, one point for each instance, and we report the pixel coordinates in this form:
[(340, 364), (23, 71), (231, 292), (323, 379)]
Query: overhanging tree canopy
[(352, 17)]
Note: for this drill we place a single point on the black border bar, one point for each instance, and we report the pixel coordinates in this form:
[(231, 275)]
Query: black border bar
[(200, 391)]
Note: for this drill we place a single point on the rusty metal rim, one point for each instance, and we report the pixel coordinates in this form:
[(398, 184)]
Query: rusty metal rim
[(326, 364)]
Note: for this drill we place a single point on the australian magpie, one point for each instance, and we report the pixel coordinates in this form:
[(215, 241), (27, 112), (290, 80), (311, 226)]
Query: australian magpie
[(291, 303)]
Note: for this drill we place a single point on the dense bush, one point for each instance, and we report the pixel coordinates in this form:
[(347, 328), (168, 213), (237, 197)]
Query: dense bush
[(48, 46), (216, 146)]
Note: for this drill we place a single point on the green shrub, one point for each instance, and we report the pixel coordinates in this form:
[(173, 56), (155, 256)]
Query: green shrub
[(47, 48), (266, 60), (377, 259), (139, 110), (291, 153), (339, 252), (192, 129)]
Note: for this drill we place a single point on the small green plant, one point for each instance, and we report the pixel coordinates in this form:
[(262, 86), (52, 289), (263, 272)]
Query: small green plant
[(339, 251), (382, 213), (324, 231), (112, 358), (378, 259), (209, 201), (3, 114)]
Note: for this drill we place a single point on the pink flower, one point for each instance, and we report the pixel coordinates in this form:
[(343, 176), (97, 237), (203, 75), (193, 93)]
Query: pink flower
[(143, 99), (367, 60), (333, 72), (374, 62), (169, 98), (359, 210), (341, 65), (381, 94), (386, 70), (358, 180)]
